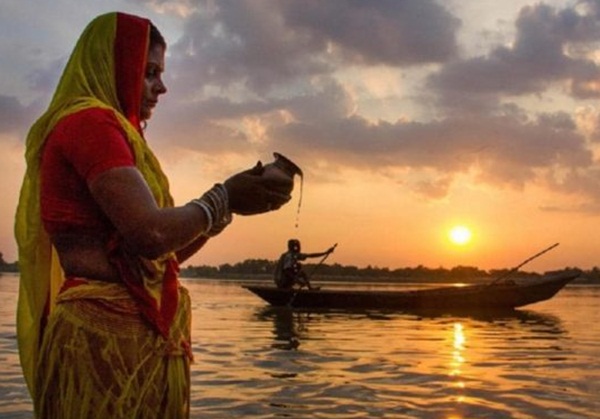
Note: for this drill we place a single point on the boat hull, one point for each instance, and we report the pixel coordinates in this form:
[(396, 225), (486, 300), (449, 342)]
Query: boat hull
[(499, 296)]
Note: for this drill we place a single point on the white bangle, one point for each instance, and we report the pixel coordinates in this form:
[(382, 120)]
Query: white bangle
[(215, 203), (207, 212)]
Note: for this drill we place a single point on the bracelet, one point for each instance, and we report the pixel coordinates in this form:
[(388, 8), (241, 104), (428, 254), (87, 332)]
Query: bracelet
[(215, 204), (207, 212)]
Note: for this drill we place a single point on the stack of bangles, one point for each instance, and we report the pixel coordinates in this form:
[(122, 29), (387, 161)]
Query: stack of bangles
[(215, 203)]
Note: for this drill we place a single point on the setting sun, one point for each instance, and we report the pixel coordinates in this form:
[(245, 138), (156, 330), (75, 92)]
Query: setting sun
[(460, 235)]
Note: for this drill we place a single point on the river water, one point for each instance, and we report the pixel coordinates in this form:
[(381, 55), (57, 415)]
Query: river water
[(255, 362)]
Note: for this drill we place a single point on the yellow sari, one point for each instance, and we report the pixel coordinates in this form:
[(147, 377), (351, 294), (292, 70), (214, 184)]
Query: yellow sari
[(97, 356)]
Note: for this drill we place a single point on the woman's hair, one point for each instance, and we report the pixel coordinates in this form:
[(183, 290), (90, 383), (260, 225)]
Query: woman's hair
[(156, 37)]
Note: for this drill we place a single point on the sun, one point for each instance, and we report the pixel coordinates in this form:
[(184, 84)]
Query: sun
[(460, 235)]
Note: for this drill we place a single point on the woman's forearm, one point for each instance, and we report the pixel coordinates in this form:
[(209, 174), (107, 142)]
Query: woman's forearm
[(191, 249), (147, 230)]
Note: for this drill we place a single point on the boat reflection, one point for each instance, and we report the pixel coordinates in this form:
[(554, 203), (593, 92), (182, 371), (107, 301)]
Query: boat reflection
[(457, 357), (291, 326)]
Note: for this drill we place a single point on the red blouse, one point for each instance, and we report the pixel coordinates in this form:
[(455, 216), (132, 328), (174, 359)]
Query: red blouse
[(78, 149)]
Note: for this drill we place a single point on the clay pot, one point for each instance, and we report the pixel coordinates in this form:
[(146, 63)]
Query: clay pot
[(282, 168)]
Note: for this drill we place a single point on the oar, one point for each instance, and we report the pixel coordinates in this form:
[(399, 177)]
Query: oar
[(516, 268), (310, 276), (321, 262)]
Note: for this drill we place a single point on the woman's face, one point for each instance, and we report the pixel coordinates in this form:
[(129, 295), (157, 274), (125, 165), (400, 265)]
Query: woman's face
[(153, 84)]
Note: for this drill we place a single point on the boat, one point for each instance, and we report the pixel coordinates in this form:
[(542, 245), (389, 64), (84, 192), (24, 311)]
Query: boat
[(496, 295)]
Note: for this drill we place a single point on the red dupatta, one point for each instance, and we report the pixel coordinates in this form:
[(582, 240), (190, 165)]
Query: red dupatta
[(130, 55)]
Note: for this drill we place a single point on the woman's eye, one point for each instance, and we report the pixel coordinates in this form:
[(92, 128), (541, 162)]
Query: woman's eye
[(152, 72)]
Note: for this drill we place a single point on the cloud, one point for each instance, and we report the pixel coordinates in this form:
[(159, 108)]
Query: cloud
[(243, 43), (384, 32), (274, 61), (250, 76), (550, 46), (266, 71), (43, 79), (507, 149), (271, 43), (13, 115), (181, 8)]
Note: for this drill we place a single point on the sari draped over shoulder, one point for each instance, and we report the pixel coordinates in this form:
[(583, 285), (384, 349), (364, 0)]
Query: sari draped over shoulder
[(106, 71)]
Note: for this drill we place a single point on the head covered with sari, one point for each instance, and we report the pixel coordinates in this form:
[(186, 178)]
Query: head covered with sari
[(105, 70)]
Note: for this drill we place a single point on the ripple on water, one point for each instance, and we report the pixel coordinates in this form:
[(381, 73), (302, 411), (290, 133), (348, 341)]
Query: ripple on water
[(261, 363)]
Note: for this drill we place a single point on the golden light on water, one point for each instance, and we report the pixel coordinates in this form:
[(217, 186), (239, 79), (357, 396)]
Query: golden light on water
[(457, 352), (459, 337), (458, 347)]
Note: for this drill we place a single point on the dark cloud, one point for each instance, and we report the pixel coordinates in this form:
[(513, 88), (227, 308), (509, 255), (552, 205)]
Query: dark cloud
[(273, 63), (505, 150), (384, 32), (13, 115), (582, 184), (213, 124), (329, 101), (272, 42), (434, 187), (44, 79), (549, 46), (244, 42), (186, 128)]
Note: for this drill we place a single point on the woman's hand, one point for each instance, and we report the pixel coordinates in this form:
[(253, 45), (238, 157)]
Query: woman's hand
[(254, 192)]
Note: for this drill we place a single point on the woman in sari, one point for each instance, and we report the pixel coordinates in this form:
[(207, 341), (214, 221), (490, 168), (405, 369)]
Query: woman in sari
[(103, 322)]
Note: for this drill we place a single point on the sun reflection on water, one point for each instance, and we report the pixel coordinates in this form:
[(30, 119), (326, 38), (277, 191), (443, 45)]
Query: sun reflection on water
[(458, 349), (458, 359)]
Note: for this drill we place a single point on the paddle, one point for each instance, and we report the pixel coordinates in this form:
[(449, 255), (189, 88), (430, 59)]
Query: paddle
[(311, 274), (321, 262), (516, 268)]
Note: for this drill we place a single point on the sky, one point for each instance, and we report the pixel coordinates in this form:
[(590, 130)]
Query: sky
[(407, 118)]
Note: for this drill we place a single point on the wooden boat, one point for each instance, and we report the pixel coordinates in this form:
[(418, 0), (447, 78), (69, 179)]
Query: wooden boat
[(501, 295)]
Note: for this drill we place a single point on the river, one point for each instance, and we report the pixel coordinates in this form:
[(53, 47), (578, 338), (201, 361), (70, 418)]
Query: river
[(252, 361)]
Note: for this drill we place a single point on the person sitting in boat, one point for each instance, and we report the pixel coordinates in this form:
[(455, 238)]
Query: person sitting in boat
[(289, 270)]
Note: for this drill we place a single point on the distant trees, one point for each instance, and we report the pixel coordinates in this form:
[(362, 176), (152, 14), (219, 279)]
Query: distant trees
[(8, 267), (263, 268), (248, 267), (593, 275)]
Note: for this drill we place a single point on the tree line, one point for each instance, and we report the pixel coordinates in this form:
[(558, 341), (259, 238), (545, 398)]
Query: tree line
[(8, 267), (264, 269)]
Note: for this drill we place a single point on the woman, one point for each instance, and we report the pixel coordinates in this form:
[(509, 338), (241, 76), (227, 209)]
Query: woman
[(103, 322)]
